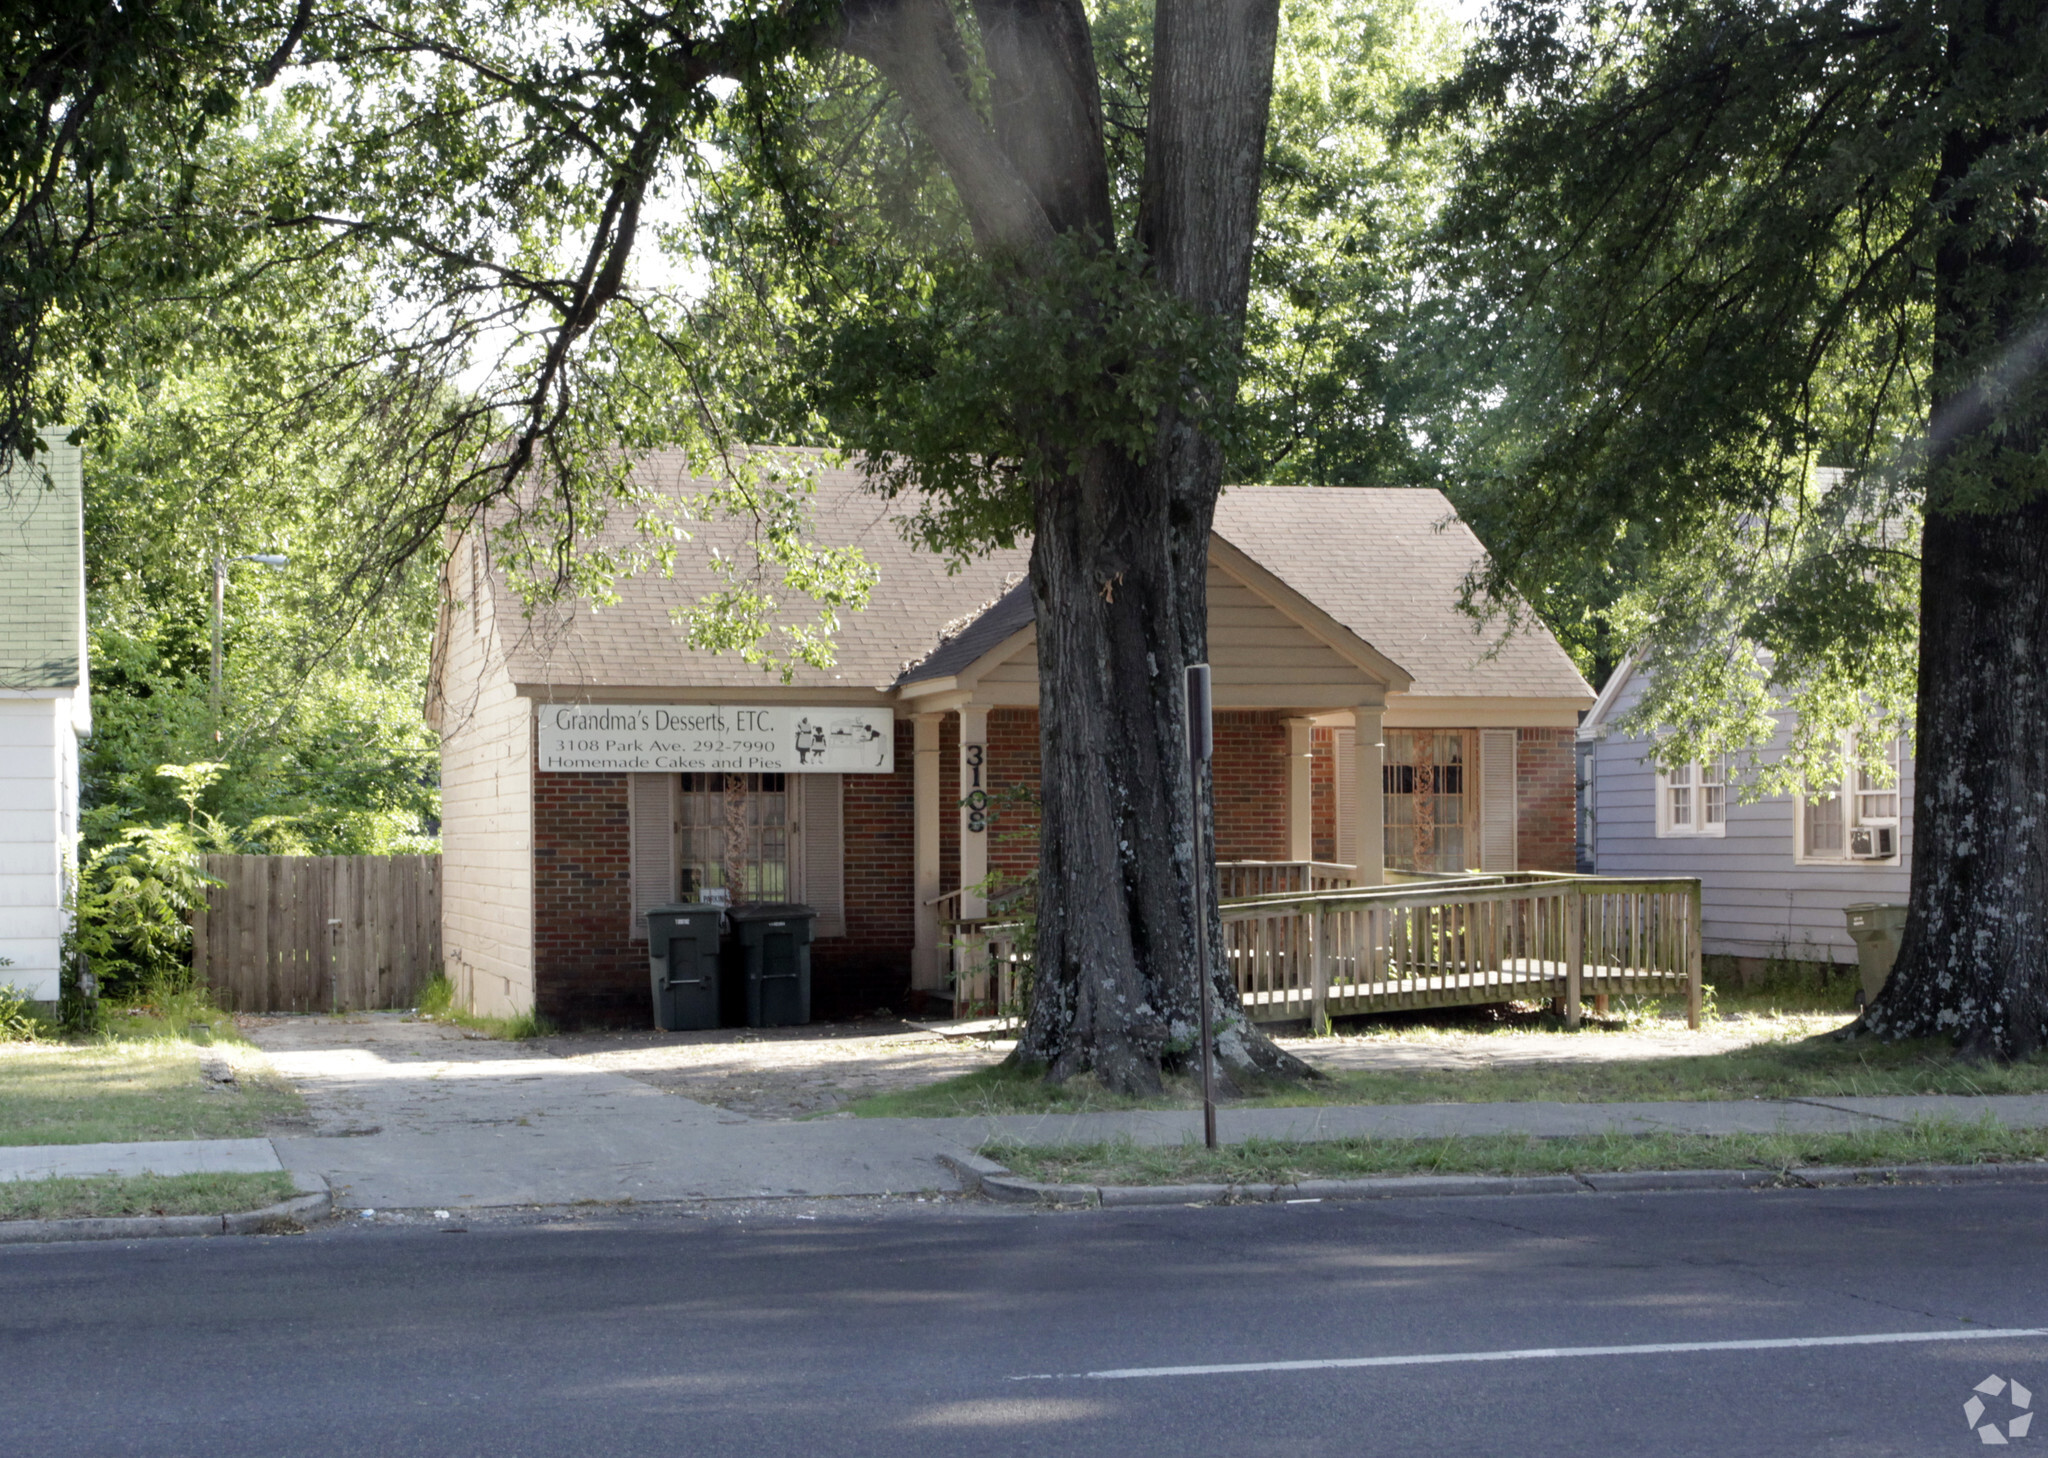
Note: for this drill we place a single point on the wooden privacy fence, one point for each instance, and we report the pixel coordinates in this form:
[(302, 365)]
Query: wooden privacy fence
[(318, 933), (1478, 939)]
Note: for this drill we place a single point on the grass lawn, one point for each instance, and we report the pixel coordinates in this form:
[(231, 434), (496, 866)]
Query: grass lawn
[(139, 1080), (110, 1195), (1789, 1059), (1284, 1161)]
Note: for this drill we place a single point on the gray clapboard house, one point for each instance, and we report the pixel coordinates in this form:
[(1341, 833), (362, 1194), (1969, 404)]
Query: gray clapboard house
[(1775, 874), (45, 709)]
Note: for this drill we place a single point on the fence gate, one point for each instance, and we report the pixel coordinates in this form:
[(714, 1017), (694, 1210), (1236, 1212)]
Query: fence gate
[(318, 933)]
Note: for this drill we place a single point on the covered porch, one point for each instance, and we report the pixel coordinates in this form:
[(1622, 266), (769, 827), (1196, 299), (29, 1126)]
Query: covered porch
[(1282, 670), (1312, 952)]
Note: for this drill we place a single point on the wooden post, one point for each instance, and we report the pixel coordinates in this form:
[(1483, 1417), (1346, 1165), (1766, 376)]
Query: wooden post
[(1574, 954), (1300, 825), (1319, 1006), (926, 971), (1368, 753), (1692, 958)]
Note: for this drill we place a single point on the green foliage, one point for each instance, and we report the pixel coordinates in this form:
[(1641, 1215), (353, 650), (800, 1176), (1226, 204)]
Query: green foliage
[(20, 1022), (1352, 369), (133, 904), (1698, 243)]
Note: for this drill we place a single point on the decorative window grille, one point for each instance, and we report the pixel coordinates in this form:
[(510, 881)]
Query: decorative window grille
[(732, 831), (1425, 791)]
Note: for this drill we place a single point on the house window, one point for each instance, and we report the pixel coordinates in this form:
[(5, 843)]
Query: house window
[(1424, 785), (1855, 819), (733, 832), (1692, 799)]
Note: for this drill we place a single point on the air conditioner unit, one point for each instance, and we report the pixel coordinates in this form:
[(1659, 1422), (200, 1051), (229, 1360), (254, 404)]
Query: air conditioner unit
[(1873, 843)]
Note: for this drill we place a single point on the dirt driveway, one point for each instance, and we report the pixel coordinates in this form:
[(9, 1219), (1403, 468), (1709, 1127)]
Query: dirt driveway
[(781, 1073)]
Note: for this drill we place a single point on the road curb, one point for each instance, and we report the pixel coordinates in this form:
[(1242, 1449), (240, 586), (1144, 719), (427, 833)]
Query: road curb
[(996, 1182), (304, 1209)]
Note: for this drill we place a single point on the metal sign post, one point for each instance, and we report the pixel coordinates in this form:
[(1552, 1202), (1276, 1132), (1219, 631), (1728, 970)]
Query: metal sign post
[(1201, 742)]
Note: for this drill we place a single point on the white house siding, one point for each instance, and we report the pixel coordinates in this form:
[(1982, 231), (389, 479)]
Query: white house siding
[(486, 811), (38, 826), (1758, 900)]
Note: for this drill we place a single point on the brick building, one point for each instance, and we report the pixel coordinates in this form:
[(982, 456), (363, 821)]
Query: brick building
[(594, 766)]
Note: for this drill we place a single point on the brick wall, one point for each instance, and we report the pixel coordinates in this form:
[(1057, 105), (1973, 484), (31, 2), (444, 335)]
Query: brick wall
[(586, 973), (1013, 769), (1250, 775), (1545, 827), (1322, 793), (869, 967)]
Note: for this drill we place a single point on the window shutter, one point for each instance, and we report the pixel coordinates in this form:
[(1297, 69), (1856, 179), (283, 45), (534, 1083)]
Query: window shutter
[(1346, 758), (822, 872), (1497, 850), (651, 800)]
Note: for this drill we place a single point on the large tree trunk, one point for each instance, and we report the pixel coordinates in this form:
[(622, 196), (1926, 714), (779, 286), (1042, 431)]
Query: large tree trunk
[(1120, 575), (1120, 561), (1974, 963)]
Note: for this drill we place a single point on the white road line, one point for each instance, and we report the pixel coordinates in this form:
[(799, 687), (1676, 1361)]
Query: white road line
[(1534, 1354)]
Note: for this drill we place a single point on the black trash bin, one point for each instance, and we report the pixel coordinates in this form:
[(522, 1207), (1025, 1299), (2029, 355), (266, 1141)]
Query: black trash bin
[(771, 961), (682, 954)]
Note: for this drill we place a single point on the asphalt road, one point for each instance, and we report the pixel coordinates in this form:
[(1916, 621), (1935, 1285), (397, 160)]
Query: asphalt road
[(906, 1330)]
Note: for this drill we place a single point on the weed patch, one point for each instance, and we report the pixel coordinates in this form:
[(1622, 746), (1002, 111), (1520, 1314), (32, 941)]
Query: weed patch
[(119, 1195), (437, 1005), (1283, 1161)]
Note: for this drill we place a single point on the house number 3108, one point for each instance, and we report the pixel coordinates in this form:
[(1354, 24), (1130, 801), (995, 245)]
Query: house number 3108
[(976, 800)]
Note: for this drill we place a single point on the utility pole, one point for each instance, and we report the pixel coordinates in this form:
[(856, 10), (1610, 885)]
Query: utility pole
[(1201, 745)]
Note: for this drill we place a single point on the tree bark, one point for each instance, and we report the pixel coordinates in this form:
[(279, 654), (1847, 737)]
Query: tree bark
[(1119, 562), (1974, 961)]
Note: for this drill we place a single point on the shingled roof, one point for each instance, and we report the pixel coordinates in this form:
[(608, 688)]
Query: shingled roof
[(636, 643), (42, 570), (1384, 562), (1387, 562)]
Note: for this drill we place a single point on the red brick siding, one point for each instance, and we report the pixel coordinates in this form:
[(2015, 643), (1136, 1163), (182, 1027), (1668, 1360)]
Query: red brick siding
[(1013, 770), (585, 972), (1545, 825), (1322, 794), (869, 967), (1250, 776)]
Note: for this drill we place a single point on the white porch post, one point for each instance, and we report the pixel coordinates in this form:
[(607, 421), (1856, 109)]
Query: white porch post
[(1301, 838), (973, 809), (927, 967), (1369, 753)]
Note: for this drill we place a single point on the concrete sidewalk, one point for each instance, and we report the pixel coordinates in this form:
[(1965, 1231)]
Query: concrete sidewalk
[(514, 1137), (159, 1157)]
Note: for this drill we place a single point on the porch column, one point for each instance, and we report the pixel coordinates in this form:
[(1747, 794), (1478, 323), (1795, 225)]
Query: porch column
[(1369, 753), (927, 966), (973, 809), (1301, 836)]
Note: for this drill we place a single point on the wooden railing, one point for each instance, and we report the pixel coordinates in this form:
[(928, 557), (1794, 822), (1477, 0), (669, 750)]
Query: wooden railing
[(1518, 935), (1271, 878), (1444, 942)]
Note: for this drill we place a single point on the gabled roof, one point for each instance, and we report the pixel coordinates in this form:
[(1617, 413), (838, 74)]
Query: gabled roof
[(636, 643), (1379, 568), (42, 570), (1387, 562)]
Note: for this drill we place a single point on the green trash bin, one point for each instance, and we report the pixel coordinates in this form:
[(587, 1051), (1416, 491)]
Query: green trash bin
[(682, 954), (771, 960), (1875, 927)]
